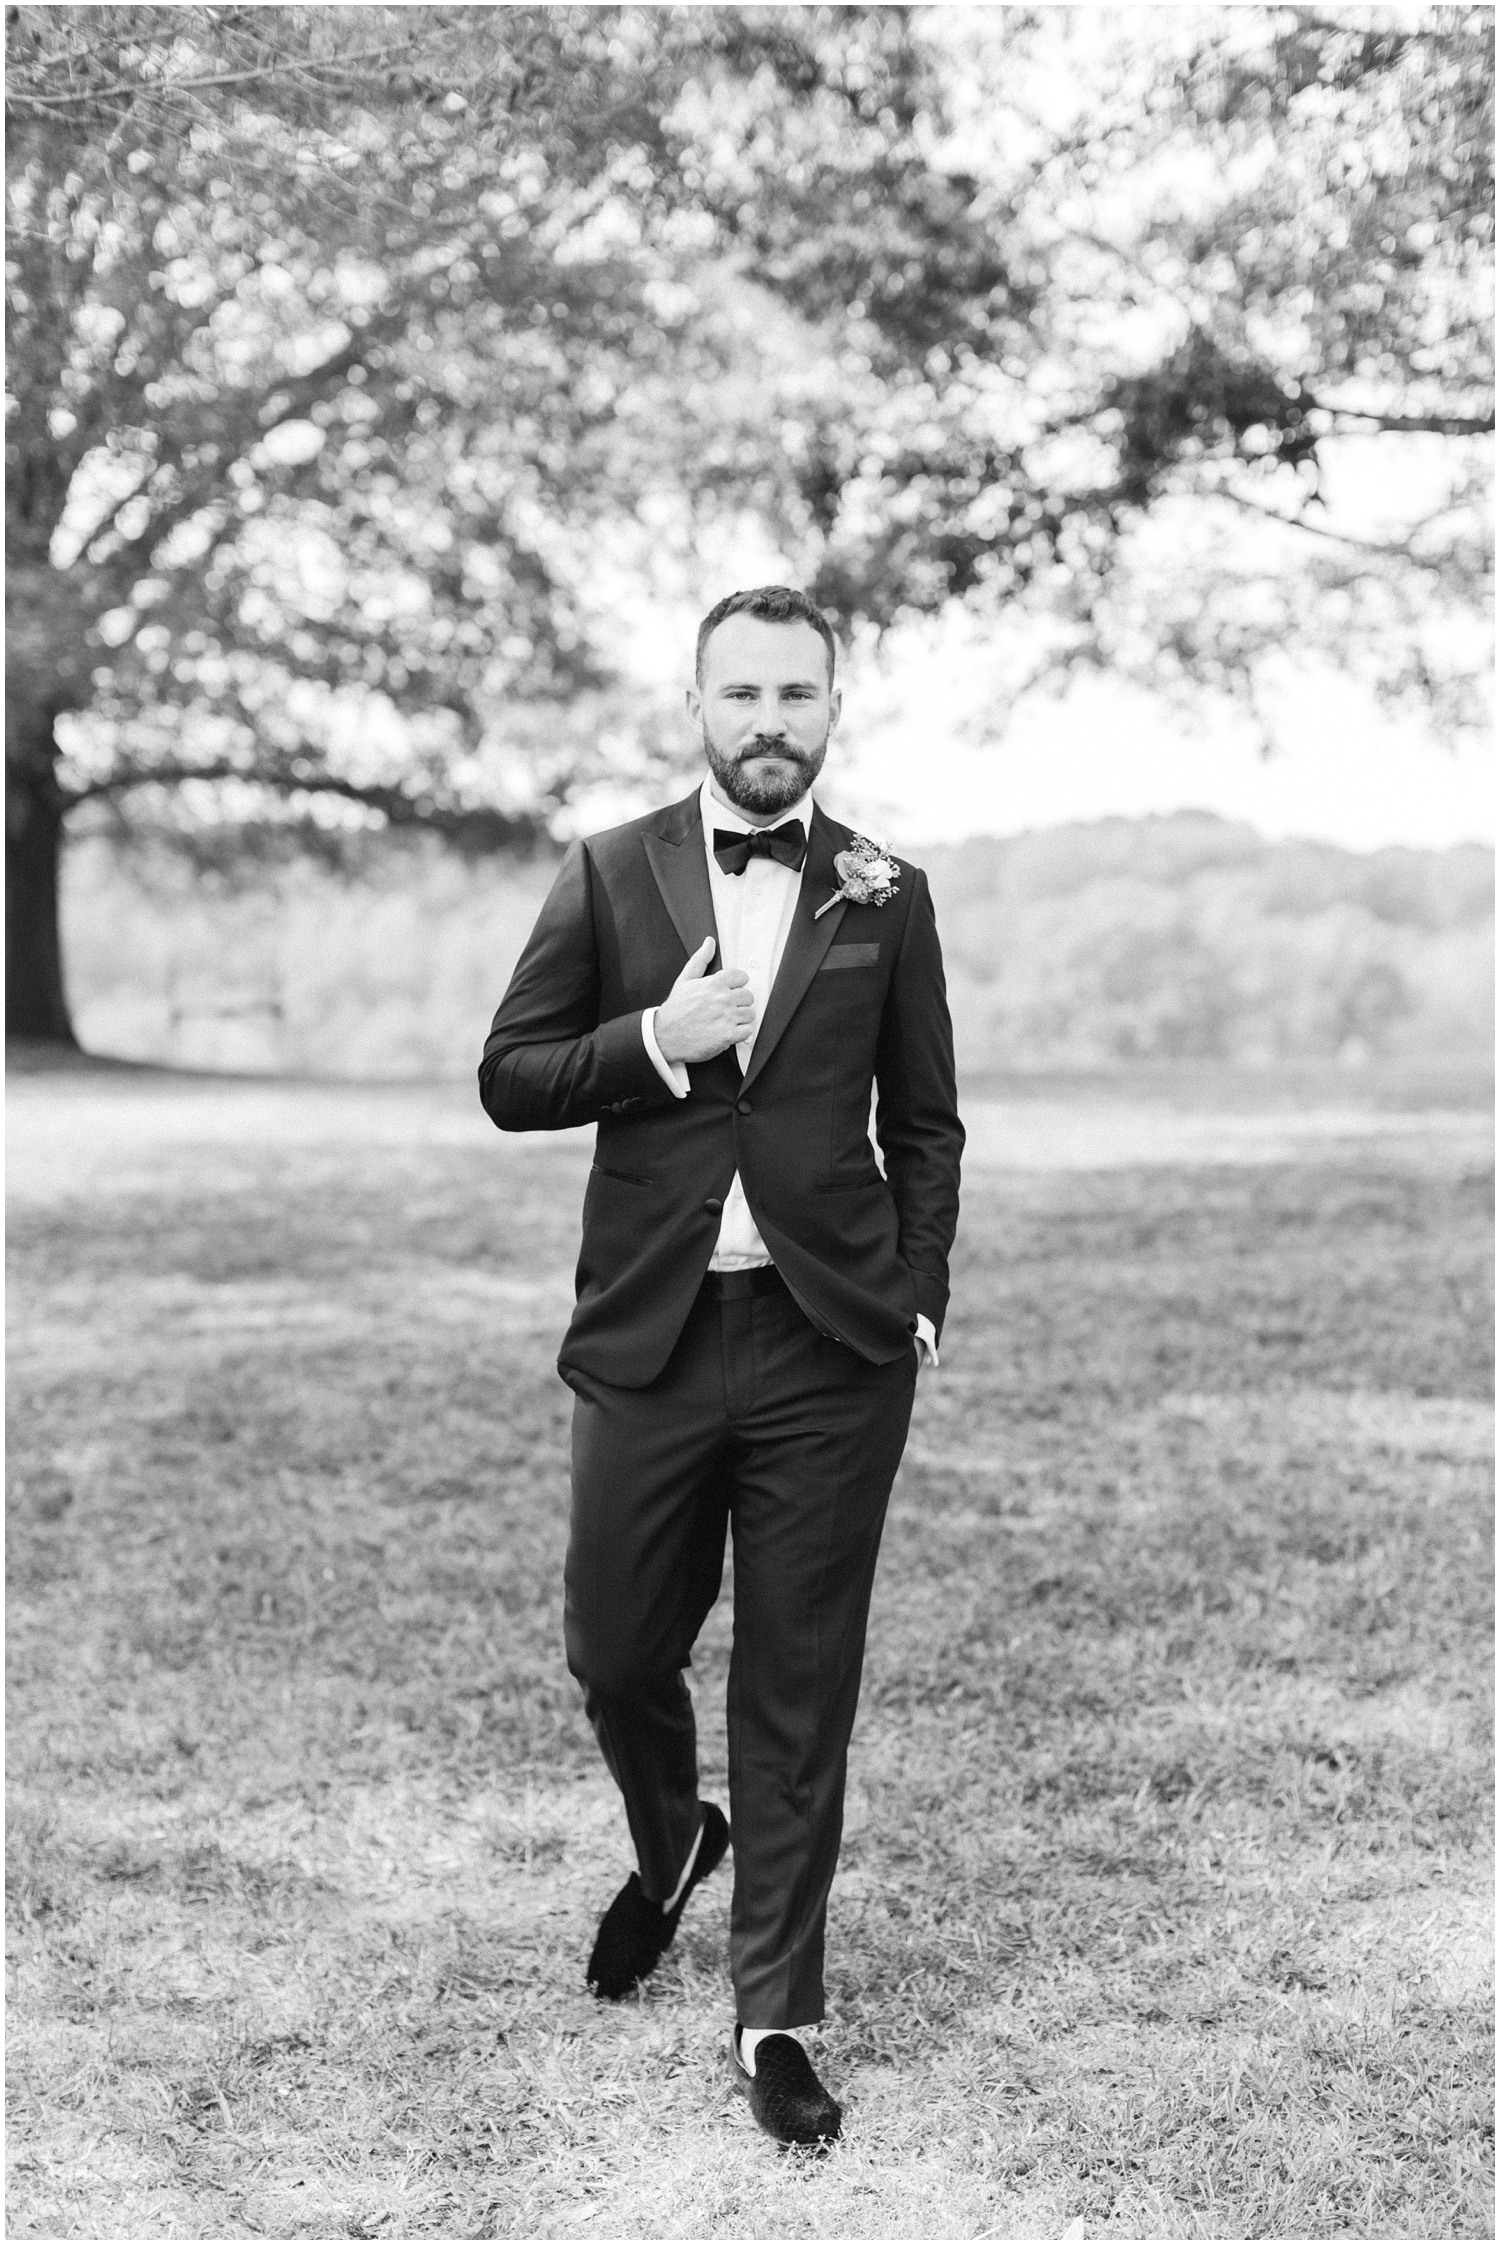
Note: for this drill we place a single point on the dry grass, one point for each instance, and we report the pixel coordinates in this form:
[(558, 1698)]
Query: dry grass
[(1164, 1904)]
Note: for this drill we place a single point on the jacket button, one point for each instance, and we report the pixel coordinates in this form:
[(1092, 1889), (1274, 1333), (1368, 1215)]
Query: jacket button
[(713, 1208), (742, 1106)]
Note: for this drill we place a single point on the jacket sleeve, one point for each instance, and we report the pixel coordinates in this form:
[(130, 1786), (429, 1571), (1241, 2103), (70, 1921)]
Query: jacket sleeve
[(916, 1113), (549, 1062)]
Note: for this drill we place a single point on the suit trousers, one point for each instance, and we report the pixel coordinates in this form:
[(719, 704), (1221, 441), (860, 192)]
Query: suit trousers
[(763, 1428)]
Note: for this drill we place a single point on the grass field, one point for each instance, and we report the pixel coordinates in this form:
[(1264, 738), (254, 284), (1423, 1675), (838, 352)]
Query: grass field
[(1164, 1904)]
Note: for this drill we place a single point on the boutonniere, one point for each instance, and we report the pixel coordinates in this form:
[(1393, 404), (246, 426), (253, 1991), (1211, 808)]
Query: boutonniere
[(865, 875)]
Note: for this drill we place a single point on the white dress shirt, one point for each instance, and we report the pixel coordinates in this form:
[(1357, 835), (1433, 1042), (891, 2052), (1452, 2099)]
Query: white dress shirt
[(753, 911)]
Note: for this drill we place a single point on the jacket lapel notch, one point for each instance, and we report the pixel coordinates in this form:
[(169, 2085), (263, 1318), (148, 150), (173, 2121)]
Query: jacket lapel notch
[(674, 852)]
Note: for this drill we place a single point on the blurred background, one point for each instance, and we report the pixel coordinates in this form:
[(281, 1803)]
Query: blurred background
[(392, 389)]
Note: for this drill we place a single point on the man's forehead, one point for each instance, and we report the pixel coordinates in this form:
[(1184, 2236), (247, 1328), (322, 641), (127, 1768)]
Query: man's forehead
[(782, 653)]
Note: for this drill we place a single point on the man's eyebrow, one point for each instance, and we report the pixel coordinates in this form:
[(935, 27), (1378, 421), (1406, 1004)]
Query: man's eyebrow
[(737, 685)]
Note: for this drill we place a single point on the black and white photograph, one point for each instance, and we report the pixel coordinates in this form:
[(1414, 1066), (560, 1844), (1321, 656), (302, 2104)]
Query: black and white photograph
[(750, 819)]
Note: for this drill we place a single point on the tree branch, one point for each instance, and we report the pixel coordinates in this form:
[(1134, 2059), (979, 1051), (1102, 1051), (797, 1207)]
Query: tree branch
[(292, 67), (170, 774), (478, 825), (1401, 549), (1429, 424), (395, 804), (300, 390)]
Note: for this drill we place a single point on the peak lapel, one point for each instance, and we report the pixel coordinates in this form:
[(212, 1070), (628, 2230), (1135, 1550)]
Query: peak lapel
[(674, 851), (806, 944)]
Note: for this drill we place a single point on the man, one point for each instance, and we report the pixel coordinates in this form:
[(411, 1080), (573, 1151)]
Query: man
[(717, 986)]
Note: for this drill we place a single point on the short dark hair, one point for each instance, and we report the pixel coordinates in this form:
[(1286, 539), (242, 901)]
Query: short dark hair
[(773, 604)]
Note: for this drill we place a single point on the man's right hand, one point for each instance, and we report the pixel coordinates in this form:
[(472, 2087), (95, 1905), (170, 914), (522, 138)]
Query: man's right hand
[(706, 1013)]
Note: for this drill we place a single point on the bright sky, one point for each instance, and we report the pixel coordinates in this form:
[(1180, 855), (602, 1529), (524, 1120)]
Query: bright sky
[(921, 755), (1348, 774), (910, 762), (911, 776)]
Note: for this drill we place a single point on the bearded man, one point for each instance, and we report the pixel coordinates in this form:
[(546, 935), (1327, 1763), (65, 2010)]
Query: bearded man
[(718, 986)]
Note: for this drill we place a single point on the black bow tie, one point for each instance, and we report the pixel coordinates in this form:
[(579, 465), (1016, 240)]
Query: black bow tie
[(786, 843)]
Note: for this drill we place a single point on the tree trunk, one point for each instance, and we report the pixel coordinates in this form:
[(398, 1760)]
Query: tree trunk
[(36, 1004)]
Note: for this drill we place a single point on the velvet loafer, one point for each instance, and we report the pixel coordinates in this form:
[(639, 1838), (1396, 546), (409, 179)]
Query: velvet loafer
[(786, 2096), (635, 1932)]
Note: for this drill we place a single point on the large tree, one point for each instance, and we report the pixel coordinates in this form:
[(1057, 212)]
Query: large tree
[(339, 340), (1261, 250), (348, 346)]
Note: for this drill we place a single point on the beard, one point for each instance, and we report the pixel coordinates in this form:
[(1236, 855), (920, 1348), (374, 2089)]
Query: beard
[(765, 792)]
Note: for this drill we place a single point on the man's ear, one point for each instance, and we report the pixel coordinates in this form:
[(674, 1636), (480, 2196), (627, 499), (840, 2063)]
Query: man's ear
[(835, 704), (693, 701)]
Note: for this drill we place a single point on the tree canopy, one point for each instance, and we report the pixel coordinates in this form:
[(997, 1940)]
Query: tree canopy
[(1263, 242), (352, 349)]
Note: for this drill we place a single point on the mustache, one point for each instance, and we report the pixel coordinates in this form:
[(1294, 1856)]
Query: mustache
[(761, 746)]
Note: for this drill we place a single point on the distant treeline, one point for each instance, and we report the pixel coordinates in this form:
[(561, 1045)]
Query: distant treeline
[(1190, 937), (1186, 937)]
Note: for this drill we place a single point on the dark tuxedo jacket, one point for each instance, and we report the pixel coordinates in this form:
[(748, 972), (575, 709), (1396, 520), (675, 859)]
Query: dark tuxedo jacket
[(859, 997)]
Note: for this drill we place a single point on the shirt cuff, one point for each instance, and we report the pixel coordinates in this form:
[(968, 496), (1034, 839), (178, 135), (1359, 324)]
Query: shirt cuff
[(673, 1073), (927, 1335)]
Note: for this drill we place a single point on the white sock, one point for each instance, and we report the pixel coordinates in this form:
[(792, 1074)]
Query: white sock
[(750, 2036), (687, 1869)]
